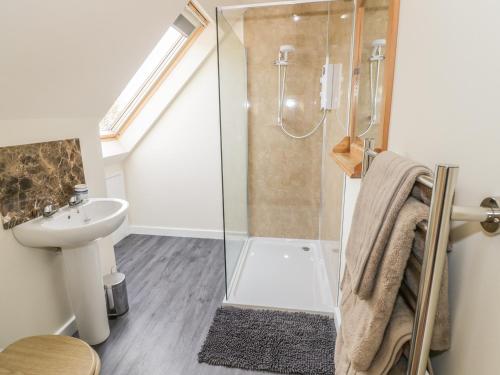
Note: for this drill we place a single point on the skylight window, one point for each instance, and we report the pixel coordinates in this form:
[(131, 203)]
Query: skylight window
[(151, 71)]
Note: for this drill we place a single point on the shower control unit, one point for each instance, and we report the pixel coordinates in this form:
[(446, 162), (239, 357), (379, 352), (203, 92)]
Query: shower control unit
[(329, 95), (330, 86)]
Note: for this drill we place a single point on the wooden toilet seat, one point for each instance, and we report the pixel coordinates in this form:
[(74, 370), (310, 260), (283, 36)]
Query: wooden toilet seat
[(49, 355)]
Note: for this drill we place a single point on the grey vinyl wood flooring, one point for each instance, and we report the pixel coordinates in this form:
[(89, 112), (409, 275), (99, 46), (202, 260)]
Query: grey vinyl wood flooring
[(174, 286)]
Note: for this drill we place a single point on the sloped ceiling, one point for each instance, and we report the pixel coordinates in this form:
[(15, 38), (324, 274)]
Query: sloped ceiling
[(210, 5), (72, 58)]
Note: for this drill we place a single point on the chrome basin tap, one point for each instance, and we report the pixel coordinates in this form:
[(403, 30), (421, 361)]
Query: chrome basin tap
[(49, 210), (74, 201)]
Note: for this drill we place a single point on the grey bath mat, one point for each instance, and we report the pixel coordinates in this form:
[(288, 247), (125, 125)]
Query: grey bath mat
[(275, 341)]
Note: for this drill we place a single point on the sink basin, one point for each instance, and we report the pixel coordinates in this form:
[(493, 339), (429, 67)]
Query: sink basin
[(74, 226), (75, 230)]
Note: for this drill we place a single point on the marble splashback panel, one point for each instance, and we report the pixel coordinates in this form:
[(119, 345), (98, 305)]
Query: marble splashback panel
[(33, 175)]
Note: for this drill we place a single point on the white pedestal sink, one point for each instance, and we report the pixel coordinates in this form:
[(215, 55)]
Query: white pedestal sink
[(75, 230)]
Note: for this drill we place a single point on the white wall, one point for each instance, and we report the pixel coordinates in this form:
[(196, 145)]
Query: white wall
[(351, 191), (445, 109), (115, 188), (32, 290), (173, 179)]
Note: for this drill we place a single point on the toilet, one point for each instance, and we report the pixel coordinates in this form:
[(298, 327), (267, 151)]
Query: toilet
[(50, 355)]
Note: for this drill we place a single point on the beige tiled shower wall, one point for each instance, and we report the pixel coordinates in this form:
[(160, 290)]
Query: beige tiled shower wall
[(284, 174)]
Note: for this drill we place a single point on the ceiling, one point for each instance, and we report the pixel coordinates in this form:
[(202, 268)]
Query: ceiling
[(72, 58), (210, 5)]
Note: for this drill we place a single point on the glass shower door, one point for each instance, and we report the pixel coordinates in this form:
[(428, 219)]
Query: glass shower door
[(234, 141)]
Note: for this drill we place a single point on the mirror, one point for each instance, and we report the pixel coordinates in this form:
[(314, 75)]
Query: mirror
[(373, 69), (374, 55)]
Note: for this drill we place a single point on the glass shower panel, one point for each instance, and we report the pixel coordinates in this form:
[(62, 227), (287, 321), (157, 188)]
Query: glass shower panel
[(341, 26), (234, 138), (282, 192)]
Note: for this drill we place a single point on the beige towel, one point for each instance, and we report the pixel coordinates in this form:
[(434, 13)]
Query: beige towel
[(374, 330), (385, 189), (388, 358)]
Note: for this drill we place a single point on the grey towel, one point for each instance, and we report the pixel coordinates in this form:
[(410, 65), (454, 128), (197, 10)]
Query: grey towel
[(385, 189)]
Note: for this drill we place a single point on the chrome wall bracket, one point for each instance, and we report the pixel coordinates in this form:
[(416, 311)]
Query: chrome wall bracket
[(487, 214), (492, 223)]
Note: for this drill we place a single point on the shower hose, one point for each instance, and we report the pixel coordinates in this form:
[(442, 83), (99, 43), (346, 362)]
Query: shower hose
[(281, 99)]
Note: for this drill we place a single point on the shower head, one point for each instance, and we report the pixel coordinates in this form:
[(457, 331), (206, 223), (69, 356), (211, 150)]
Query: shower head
[(377, 54), (378, 43), (285, 49)]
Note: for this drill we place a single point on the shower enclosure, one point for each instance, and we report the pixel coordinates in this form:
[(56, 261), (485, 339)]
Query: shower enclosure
[(282, 192)]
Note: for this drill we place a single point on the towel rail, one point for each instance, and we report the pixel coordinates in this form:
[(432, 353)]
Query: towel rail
[(436, 244), (488, 214), (442, 212)]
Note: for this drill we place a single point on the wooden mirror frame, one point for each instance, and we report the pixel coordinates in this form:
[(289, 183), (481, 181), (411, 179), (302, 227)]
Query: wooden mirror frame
[(348, 153)]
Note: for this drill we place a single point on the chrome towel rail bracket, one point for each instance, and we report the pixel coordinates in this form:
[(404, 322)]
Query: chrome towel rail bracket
[(487, 214), (492, 223)]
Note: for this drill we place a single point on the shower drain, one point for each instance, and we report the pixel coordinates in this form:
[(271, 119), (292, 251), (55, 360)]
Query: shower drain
[(306, 248)]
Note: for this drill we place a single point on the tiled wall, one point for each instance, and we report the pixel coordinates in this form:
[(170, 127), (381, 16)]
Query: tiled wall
[(34, 175), (284, 176)]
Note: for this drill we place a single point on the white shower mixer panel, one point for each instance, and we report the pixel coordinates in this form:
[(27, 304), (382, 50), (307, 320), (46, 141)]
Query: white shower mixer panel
[(330, 86)]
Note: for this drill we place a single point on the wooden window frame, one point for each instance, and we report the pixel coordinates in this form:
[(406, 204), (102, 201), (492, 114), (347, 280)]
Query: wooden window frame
[(129, 119)]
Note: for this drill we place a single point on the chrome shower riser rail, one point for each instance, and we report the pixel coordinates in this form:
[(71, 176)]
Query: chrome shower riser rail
[(442, 212)]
